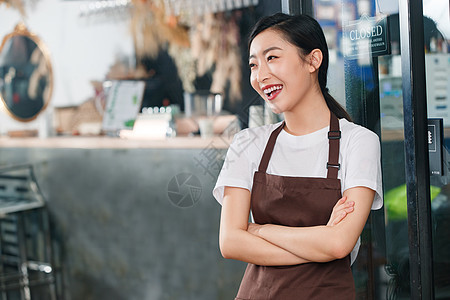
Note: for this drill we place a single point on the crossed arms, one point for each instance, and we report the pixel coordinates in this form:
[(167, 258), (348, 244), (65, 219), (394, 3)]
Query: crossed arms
[(275, 245)]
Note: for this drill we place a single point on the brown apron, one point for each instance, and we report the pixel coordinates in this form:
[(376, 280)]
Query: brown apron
[(299, 202)]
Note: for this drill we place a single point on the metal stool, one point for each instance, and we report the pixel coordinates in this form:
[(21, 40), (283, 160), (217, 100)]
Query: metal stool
[(25, 243)]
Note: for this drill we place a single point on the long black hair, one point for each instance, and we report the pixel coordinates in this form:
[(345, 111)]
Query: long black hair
[(305, 33)]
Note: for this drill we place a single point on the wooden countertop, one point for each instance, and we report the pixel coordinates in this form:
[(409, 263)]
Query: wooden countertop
[(105, 142), (74, 142)]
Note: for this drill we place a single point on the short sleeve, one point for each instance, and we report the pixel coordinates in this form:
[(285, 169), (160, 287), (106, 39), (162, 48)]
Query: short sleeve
[(237, 170), (363, 166)]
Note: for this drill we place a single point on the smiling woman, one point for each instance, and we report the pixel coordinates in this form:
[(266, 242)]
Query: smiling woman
[(309, 181)]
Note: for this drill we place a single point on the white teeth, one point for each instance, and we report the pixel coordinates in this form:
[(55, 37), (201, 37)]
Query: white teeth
[(271, 89)]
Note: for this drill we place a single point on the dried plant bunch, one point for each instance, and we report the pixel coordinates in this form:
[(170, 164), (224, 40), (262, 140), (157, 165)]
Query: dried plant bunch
[(16, 4), (215, 45), (152, 29)]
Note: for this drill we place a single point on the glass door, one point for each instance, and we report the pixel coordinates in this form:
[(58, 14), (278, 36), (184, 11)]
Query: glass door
[(437, 72), (352, 27), (365, 44)]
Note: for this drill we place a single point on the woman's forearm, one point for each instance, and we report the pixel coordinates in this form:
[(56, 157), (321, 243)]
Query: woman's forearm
[(235, 240), (322, 243), (244, 246), (318, 244)]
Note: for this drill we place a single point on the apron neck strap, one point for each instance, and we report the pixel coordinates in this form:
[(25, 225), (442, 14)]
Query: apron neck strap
[(334, 136), (269, 148)]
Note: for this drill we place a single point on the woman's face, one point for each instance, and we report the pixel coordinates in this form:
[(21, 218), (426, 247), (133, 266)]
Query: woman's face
[(277, 72)]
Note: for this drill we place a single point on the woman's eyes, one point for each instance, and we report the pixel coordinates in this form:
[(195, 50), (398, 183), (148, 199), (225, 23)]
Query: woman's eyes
[(269, 58)]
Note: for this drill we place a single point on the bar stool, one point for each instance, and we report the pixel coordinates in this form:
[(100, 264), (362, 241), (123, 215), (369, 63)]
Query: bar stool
[(26, 267)]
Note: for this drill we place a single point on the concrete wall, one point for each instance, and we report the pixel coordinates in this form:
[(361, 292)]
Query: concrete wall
[(121, 236)]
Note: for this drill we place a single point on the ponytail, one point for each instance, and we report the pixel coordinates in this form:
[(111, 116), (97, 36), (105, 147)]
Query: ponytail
[(335, 107)]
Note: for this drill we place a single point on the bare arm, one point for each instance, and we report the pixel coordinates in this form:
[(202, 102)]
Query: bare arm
[(236, 242), (322, 243)]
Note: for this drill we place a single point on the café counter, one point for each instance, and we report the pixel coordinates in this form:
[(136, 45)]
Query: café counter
[(133, 219)]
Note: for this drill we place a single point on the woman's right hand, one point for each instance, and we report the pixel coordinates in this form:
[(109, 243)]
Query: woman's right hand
[(340, 210)]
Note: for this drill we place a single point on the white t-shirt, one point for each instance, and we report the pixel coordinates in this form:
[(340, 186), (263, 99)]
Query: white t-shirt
[(305, 156)]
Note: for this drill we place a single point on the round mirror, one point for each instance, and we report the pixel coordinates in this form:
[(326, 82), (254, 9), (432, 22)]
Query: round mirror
[(26, 78)]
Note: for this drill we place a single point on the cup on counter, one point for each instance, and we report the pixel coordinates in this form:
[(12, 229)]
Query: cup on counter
[(206, 126), (202, 103)]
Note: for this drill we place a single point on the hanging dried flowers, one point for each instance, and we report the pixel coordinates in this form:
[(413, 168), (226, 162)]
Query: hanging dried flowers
[(215, 45), (199, 44), (186, 66), (151, 29), (16, 4)]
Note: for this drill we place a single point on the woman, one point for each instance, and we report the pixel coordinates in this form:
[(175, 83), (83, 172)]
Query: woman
[(292, 175)]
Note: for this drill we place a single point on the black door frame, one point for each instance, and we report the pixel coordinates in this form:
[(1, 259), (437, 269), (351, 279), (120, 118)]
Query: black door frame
[(415, 135), (416, 149)]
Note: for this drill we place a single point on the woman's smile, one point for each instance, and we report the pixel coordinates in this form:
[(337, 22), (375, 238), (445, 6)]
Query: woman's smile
[(272, 91)]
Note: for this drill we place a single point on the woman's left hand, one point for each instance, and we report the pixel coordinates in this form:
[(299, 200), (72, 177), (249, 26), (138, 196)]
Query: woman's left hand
[(340, 210)]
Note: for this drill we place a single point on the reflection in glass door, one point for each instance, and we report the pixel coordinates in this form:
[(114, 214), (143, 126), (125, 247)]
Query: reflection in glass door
[(436, 46), (397, 271), (373, 95), (437, 67), (351, 28)]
